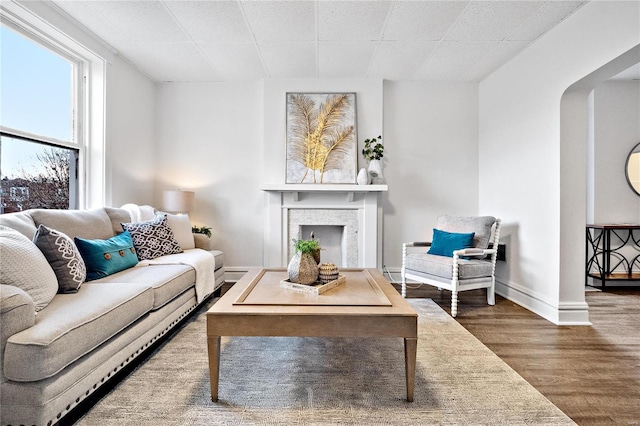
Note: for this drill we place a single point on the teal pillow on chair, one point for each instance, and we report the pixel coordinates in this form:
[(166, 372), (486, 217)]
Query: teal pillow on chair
[(445, 243), (106, 257)]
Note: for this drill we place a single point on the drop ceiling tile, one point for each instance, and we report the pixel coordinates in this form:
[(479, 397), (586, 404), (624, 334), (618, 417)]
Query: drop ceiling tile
[(395, 60), (82, 12), (495, 58), (422, 20), (207, 21), (169, 61), (351, 20), (285, 21), (289, 60), (452, 60), (142, 20), (345, 59), (549, 15), (491, 20), (234, 61)]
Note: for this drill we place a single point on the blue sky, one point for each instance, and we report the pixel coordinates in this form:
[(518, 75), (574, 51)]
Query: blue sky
[(35, 96)]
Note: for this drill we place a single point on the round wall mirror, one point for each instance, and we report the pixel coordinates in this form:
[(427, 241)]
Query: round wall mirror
[(632, 169)]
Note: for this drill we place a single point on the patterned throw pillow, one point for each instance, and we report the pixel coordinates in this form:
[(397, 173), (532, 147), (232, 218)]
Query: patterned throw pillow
[(152, 238), (63, 256)]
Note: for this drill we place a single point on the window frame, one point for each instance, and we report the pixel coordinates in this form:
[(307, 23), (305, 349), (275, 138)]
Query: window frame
[(33, 20)]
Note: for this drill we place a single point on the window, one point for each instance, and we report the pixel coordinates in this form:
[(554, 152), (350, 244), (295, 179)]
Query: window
[(39, 143)]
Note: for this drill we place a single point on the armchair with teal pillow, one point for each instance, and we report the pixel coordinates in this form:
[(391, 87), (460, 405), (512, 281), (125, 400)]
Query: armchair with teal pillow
[(461, 256)]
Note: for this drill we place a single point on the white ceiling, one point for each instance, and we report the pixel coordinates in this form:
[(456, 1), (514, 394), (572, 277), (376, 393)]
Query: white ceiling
[(171, 40), (631, 73)]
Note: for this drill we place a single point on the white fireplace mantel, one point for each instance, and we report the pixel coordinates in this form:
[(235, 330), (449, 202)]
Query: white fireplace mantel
[(280, 199), (349, 189)]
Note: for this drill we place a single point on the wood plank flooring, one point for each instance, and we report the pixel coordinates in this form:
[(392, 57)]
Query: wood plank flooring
[(591, 373)]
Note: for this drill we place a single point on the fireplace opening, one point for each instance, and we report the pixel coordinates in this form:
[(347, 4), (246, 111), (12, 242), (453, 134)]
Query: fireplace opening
[(332, 240), (336, 229)]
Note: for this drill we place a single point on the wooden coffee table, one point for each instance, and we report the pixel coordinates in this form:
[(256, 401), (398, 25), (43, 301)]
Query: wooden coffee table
[(365, 306)]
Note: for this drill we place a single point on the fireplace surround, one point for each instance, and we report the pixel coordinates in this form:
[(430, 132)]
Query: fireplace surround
[(352, 210)]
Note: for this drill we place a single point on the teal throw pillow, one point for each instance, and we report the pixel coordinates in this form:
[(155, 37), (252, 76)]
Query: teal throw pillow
[(106, 257), (445, 243)]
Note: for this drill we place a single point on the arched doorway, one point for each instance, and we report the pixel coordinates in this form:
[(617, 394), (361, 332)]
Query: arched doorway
[(574, 125)]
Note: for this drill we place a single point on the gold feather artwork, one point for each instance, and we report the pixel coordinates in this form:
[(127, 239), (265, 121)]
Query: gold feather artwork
[(321, 138)]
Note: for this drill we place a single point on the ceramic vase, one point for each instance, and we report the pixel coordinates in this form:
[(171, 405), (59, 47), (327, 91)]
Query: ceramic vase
[(375, 172), (302, 269), (363, 177)]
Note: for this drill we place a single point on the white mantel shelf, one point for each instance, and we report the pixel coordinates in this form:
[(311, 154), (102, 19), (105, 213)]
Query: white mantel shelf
[(324, 187)]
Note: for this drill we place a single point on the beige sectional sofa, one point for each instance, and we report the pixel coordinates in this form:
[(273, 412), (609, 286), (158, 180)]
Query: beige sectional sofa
[(54, 358)]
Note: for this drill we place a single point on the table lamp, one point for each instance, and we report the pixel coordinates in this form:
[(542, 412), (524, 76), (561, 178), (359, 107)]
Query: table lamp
[(178, 201)]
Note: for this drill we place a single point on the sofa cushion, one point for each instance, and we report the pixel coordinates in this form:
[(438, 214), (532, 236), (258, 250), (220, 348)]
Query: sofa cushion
[(106, 257), (219, 258), (38, 280), (117, 217), (73, 325), (91, 224), (442, 266), (480, 225), (21, 222), (167, 281), (180, 224), (63, 256), (153, 238)]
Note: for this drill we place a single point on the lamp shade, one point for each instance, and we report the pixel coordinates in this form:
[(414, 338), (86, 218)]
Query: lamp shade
[(178, 201)]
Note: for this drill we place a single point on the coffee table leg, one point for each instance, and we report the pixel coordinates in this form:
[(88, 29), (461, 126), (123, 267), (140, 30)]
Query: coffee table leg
[(410, 349), (213, 344)]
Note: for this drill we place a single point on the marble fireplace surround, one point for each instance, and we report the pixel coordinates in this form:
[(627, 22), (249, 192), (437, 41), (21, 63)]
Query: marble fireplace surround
[(356, 207)]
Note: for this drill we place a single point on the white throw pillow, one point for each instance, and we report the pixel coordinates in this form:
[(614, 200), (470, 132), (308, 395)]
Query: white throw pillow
[(23, 265), (181, 227)]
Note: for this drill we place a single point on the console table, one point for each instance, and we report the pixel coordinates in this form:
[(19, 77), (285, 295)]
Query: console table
[(613, 263)]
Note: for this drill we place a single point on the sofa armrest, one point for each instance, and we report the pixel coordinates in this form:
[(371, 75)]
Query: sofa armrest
[(17, 313), (203, 242)]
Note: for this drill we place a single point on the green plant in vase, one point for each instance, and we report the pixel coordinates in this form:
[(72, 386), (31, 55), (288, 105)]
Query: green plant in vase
[(206, 230), (303, 267), (373, 151), (311, 247)]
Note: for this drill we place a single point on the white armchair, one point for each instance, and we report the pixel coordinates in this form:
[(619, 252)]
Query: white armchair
[(467, 269)]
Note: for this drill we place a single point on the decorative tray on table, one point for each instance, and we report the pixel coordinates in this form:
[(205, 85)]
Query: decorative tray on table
[(314, 288)]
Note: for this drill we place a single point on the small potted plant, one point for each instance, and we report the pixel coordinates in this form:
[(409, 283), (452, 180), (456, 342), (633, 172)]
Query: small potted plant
[(303, 267), (373, 151), (202, 236)]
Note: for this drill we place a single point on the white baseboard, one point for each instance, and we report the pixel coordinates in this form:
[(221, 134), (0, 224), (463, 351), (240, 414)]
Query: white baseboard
[(561, 314), (564, 314)]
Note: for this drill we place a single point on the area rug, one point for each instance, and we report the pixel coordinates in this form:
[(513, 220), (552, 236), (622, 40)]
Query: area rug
[(313, 381)]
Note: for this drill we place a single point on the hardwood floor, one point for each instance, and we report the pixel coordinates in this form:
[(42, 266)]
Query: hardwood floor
[(591, 373)]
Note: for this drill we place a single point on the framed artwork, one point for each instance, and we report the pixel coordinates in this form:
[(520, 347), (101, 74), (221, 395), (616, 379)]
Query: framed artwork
[(321, 138)]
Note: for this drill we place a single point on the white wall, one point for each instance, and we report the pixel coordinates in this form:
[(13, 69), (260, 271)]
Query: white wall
[(526, 176), (209, 140), (225, 140), (431, 159), (130, 135), (617, 132)]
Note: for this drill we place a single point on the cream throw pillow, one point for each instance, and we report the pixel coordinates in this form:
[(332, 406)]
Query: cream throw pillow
[(23, 265), (181, 227)]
